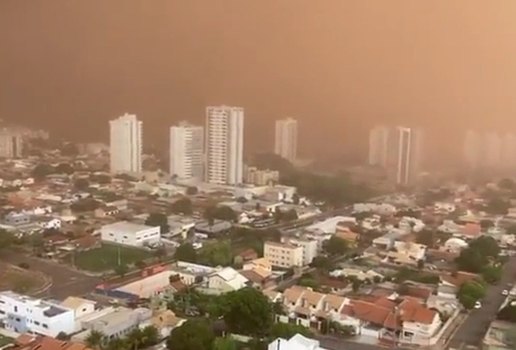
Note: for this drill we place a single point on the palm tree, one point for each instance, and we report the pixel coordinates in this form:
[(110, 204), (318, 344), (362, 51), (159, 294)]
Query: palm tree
[(95, 339), (150, 336), (135, 339), (117, 344)]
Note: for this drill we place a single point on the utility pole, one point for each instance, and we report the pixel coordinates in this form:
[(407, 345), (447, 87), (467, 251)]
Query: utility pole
[(118, 253)]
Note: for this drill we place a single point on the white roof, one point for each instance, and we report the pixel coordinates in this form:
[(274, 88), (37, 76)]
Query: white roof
[(232, 277), (456, 241), (126, 226), (297, 342)]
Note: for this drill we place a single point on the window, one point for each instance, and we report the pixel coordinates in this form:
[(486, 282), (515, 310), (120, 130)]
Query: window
[(37, 323), (18, 319), (45, 325), (16, 309), (2, 312)]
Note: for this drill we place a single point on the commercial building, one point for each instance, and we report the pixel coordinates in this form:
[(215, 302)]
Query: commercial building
[(258, 177), (11, 143), (23, 314), (186, 151), (131, 234), (286, 139), (117, 323), (125, 144), (283, 255), (224, 145)]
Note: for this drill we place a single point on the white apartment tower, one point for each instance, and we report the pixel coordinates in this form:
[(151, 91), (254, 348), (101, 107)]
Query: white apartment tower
[(490, 150), (224, 145), (186, 151), (126, 144), (286, 139), (11, 143), (378, 146), (398, 150)]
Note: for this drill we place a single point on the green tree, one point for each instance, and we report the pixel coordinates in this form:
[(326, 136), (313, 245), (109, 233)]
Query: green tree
[(42, 170), (195, 334), (470, 292), (506, 184), (95, 339), (186, 252), (355, 285), (336, 246), (491, 273), (288, 330), (182, 206), (486, 245), (117, 344), (225, 343), (150, 336), (64, 168), (248, 312), (62, 336), (497, 206), (81, 184), (216, 254), (121, 270), (508, 313), (158, 219), (290, 215), (134, 339), (6, 239), (222, 212), (321, 262)]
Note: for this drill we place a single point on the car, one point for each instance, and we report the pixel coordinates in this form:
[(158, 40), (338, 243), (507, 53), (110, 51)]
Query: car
[(505, 292), (478, 305)]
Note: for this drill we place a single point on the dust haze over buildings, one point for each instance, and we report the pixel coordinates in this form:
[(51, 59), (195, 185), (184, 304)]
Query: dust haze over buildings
[(338, 66)]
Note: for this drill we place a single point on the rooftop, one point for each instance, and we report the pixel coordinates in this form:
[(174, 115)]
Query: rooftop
[(126, 226)]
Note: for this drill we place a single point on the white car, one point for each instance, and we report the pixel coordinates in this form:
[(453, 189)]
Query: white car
[(505, 292), (478, 305)]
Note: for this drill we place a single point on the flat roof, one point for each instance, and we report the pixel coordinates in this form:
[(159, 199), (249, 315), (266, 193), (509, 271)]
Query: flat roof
[(126, 226)]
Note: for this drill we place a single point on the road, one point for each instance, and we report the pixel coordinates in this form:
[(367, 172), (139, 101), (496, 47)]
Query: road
[(332, 343), (65, 281), (472, 331)]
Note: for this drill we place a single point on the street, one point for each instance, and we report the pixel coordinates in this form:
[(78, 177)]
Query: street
[(65, 281), (472, 331)]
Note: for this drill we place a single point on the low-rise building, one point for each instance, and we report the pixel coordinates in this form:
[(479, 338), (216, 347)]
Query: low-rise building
[(117, 323), (131, 234), (297, 342), (310, 248), (21, 314), (226, 280), (283, 255)]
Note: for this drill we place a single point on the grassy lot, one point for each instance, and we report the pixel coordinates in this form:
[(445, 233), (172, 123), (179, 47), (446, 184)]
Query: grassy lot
[(5, 340), (106, 257), (19, 280)]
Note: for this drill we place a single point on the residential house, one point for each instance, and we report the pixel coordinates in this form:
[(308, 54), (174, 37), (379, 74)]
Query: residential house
[(283, 255), (28, 342), (297, 342), (190, 273), (226, 280), (165, 321)]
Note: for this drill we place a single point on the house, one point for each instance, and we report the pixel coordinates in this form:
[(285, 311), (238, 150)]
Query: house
[(20, 314), (28, 342), (149, 286), (406, 253), (297, 342), (245, 256), (348, 235), (190, 273), (260, 264), (106, 210), (165, 321), (130, 234), (17, 219), (81, 308), (450, 283), (455, 245), (226, 280), (499, 336)]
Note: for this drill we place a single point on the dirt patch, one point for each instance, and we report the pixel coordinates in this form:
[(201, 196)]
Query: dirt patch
[(21, 280)]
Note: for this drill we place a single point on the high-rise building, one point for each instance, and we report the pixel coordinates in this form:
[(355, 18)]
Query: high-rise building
[(398, 150), (126, 144), (11, 143), (379, 145), (472, 149), (224, 145), (286, 139), (186, 151), (490, 150)]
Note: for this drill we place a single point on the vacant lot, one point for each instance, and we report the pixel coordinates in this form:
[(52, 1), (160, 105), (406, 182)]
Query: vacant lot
[(5, 340), (107, 257), (20, 280)]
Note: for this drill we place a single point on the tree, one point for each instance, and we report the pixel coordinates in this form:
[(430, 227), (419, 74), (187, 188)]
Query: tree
[(506, 184), (470, 292), (86, 204), (420, 264), (182, 206), (511, 230), (335, 246), (290, 215), (486, 224), (117, 344), (140, 264), (226, 343), (355, 285), (6, 239), (288, 330), (158, 219), (241, 200), (121, 270), (486, 245), (218, 253), (195, 334), (248, 312), (508, 313), (295, 199), (150, 336), (478, 254), (186, 252), (191, 190), (222, 212), (64, 168), (497, 206), (42, 170), (321, 262), (491, 273), (81, 184), (95, 339)]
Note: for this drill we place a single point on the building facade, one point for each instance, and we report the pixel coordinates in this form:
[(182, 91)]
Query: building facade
[(125, 144), (489, 150), (224, 145), (127, 233), (11, 143), (283, 254), (378, 146), (286, 139), (186, 151), (23, 314)]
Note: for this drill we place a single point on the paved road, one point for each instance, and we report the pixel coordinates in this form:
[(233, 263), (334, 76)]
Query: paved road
[(472, 331), (66, 281), (332, 343)]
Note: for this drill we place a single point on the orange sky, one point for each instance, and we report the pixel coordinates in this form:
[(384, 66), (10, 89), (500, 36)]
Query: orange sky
[(339, 66)]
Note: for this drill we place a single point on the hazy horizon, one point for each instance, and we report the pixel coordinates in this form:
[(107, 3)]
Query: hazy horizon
[(339, 67)]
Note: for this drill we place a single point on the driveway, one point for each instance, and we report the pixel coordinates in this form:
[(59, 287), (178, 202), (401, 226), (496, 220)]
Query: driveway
[(472, 331), (65, 281)]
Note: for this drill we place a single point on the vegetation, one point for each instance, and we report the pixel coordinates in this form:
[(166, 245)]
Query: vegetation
[(336, 246), (195, 334), (221, 212), (182, 206), (497, 206), (482, 256), (186, 252), (106, 257), (158, 219), (508, 313), (135, 340), (224, 343), (470, 292), (288, 330), (245, 238), (406, 274), (81, 184), (84, 205), (215, 254)]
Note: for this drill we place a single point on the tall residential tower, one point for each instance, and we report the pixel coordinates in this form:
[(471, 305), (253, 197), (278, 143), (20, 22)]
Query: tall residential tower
[(224, 145), (186, 151), (125, 144), (286, 139)]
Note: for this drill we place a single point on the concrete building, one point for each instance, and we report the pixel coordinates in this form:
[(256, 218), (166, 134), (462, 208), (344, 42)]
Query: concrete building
[(117, 323), (472, 149), (186, 151), (11, 143), (131, 234), (23, 314), (489, 150), (226, 280), (378, 146), (125, 144), (310, 248), (297, 342), (224, 145), (286, 139), (259, 177), (283, 254)]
